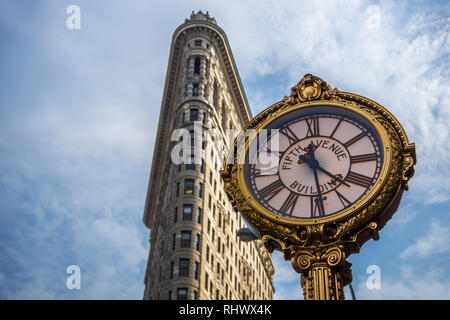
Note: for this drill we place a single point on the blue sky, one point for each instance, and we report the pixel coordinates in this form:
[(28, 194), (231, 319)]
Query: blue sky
[(79, 111)]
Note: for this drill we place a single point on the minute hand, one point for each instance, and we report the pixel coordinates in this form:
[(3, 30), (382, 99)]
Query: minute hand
[(332, 176)]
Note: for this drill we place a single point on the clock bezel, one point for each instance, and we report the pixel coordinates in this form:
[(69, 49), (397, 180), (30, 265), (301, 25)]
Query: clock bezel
[(257, 125)]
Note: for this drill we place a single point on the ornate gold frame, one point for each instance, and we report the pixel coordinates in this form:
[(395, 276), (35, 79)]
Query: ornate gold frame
[(318, 247), (351, 210)]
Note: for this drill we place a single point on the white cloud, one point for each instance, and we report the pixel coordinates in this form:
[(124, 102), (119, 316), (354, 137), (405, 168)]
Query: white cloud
[(412, 284), (76, 142), (436, 241), (287, 281), (402, 65)]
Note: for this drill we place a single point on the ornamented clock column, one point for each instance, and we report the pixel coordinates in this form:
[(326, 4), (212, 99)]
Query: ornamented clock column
[(319, 245), (323, 275)]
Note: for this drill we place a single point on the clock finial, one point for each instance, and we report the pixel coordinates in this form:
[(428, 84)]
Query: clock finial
[(310, 88)]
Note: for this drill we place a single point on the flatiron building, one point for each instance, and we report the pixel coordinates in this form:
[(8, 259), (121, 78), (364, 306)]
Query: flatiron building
[(195, 252)]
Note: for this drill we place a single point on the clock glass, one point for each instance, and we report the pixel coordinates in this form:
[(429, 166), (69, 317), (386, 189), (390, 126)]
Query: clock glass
[(327, 159)]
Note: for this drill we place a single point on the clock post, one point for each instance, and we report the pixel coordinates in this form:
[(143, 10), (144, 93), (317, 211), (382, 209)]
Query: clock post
[(344, 162)]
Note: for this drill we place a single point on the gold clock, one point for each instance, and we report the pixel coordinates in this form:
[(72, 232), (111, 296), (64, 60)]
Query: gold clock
[(318, 174)]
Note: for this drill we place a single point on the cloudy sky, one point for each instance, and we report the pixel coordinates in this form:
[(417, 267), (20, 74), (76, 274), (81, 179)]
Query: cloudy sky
[(79, 111)]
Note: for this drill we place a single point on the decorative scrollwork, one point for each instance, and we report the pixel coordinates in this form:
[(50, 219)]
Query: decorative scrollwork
[(334, 256), (309, 88), (407, 171), (329, 243), (302, 260)]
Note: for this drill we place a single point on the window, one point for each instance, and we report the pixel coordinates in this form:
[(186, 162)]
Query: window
[(174, 236), (190, 163), (215, 94), (200, 189), (185, 239), (202, 166), (193, 114), (196, 270), (171, 269), (197, 242), (182, 294), (184, 268), (197, 65), (188, 186), (178, 189), (175, 218), (170, 295), (198, 43), (187, 212), (195, 90), (192, 134), (206, 281), (199, 215)]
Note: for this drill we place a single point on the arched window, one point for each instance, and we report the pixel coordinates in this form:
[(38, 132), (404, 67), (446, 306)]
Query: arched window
[(197, 66), (195, 90), (193, 114)]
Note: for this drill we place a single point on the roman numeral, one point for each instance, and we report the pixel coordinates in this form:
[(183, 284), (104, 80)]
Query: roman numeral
[(315, 207), (345, 202), (359, 179), (270, 191), (363, 158), (313, 127), (335, 128), (354, 139), (290, 135), (289, 204)]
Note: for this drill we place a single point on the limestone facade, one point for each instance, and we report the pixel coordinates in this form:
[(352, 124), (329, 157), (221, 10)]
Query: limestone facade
[(195, 252)]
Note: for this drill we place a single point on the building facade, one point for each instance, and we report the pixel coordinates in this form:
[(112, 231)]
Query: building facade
[(195, 252)]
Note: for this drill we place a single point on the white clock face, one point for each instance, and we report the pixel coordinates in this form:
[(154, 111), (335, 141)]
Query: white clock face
[(328, 159)]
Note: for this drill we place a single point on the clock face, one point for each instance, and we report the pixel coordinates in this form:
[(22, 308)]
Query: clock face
[(326, 160)]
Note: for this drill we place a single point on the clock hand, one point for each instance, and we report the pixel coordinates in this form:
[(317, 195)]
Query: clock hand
[(308, 157), (332, 176), (321, 207), (303, 159), (313, 163)]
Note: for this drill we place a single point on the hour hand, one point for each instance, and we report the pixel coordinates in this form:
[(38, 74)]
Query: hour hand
[(303, 159), (311, 150)]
